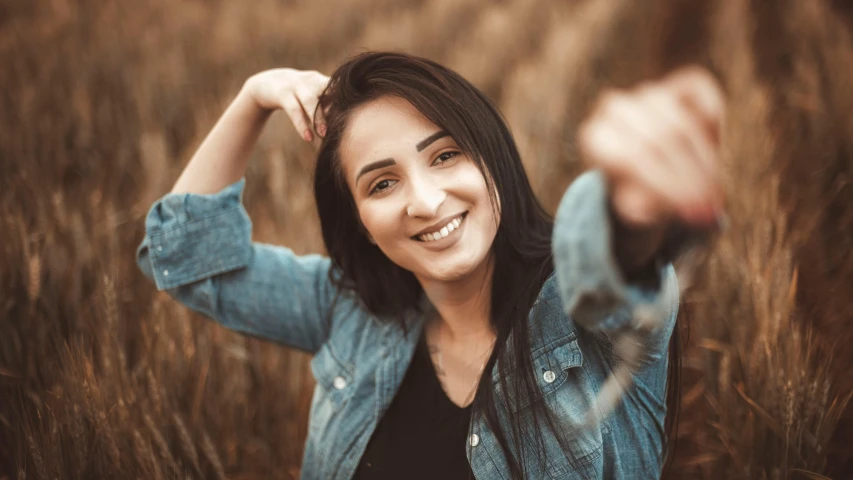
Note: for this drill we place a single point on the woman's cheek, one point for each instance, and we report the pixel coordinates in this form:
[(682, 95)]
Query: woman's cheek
[(382, 228)]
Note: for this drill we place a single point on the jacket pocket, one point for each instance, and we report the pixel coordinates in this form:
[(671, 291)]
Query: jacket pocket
[(551, 369), (568, 449), (574, 450), (334, 389), (332, 375)]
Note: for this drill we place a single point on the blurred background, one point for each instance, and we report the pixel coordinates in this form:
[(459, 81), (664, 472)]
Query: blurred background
[(102, 103)]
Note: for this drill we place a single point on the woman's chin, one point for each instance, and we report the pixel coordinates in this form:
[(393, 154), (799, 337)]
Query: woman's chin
[(451, 265), (451, 271), (449, 275)]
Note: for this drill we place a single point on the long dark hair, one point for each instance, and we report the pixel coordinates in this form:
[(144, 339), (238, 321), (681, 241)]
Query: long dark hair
[(521, 252)]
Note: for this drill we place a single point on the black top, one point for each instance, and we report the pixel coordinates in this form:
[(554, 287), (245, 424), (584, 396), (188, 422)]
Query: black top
[(422, 435)]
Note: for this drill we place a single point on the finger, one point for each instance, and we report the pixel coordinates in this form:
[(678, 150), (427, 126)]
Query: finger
[(309, 100), (320, 122), (700, 91), (686, 128), (650, 196), (297, 115), (666, 142), (625, 112), (635, 206), (320, 113), (615, 150)]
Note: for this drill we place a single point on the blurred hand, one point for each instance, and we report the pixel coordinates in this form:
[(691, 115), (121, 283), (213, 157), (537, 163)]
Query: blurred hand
[(297, 92), (657, 146)]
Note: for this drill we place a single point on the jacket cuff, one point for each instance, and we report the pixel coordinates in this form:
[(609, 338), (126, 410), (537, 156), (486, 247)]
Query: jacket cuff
[(592, 286), (190, 237)]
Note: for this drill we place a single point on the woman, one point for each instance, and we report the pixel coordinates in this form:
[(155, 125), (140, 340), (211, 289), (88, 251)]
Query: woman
[(448, 340)]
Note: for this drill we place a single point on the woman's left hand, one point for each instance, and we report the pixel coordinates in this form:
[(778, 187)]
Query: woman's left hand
[(657, 147)]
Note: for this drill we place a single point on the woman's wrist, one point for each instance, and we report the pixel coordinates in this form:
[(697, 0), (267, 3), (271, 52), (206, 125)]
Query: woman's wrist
[(636, 248), (247, 99)]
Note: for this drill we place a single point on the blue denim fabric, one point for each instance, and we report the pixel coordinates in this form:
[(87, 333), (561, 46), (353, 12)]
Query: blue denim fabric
[(199, 249)]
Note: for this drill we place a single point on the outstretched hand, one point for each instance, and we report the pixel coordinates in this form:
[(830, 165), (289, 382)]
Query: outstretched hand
[(657, 145), (297, 92)]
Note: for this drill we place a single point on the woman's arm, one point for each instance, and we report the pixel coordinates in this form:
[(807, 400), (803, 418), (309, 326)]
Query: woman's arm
[(594, 288), (654, 179), (198, 239), (652, 150), (222, 157)]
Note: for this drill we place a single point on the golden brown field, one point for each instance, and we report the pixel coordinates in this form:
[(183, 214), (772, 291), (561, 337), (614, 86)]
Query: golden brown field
[(101, 103)]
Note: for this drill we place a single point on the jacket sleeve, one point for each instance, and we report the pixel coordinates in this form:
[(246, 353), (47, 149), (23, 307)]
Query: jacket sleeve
[(198, 248), (592, 289)]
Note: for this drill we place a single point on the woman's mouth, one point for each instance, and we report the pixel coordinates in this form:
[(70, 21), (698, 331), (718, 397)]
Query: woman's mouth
[(444, 231)]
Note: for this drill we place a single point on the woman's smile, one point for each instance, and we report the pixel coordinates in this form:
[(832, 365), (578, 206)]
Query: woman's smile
[(443, 235)]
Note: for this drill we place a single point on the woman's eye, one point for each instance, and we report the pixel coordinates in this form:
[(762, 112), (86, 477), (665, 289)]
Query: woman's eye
[(445, 157), (381, 186)]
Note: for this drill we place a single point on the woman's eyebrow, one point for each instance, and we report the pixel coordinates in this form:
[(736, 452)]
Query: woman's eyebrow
[(428, 141), (387, 162)]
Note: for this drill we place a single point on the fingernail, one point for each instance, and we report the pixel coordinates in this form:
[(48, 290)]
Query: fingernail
[(712, 215), (698, 214), (307, 135)]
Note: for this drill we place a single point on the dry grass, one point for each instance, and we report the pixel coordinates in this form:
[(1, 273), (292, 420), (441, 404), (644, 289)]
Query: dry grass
[(101, 103)]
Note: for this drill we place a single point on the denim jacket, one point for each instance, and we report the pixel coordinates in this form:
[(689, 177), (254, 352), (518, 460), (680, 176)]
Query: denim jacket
[(199, 249)]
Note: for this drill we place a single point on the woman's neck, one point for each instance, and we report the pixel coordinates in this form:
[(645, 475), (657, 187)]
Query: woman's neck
[(463, 305)]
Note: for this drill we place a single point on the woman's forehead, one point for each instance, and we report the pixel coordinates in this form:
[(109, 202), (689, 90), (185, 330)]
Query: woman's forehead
[(382, 128)]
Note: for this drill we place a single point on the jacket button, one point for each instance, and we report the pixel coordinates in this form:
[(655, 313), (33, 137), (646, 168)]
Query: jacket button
[(549, 376), (474, 439), (165, 273), (339, 382)]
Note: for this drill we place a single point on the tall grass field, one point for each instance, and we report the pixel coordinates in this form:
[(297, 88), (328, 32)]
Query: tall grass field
[(102, 103)]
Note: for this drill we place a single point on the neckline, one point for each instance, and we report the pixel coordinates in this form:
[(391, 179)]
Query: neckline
[(433, 374)]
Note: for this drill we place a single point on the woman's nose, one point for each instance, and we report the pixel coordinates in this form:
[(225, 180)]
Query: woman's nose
[(425, 199)]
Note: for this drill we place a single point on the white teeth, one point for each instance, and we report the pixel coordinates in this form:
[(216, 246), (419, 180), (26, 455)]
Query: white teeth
[(445, 231)]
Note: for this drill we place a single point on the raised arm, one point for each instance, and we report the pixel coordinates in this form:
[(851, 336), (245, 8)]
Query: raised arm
[(654, 184), (222, 157), (198, 243)]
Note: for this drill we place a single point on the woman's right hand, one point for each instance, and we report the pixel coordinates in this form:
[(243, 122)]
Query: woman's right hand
[(297, 92)]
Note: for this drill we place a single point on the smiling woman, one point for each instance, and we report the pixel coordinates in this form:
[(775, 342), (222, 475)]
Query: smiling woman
[(426, 188), (457, 329)]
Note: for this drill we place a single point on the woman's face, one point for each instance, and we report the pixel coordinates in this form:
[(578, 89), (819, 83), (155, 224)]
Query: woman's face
[(423, 202)]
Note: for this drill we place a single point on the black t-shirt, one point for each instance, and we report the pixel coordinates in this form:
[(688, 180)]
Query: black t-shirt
[(422, 435)]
